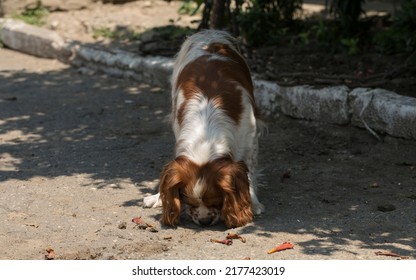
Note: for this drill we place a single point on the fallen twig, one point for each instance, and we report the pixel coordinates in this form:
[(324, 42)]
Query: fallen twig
[(227, 242), (235, 236), (390, 254)]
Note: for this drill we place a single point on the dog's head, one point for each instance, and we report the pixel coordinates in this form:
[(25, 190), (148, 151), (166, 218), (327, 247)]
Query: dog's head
[(211, 191)]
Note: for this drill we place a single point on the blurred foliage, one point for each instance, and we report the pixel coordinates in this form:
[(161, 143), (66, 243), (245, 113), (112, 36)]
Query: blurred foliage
[(348, 13), (351, 45), (264, 21), (105, 32), (117, 33), (342, 28), (401, 35), (190, 7), (258, 21), (34, 16)]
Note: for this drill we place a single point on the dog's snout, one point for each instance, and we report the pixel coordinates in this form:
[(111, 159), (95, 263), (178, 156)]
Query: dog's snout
[(206, 221)]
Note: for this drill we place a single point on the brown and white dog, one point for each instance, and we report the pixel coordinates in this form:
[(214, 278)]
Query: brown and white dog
[(216, 126)]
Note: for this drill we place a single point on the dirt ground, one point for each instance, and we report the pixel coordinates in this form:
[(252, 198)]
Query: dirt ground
[(78, 153)]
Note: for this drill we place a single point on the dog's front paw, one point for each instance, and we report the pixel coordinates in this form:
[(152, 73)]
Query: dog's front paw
[(152, 201), (258, 208)]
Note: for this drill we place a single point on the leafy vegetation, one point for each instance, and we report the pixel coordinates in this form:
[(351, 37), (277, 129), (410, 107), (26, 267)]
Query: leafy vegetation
[(34, 16), (190, 7), (266, 20), (342, 28), (401, 35)]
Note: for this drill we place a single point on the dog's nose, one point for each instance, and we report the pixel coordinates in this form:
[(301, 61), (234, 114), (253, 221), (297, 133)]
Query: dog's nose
[(206, 221)]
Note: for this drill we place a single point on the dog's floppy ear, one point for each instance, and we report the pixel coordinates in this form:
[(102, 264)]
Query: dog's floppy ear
[(234, 183), (174, 178)]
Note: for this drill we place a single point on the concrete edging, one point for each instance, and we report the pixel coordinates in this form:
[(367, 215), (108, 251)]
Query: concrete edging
[(374, 109)]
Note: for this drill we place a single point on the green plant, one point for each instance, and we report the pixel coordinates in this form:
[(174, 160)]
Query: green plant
[(113, 34), (320, 30), (401, 36), (305, 37), (405, 18), (34, 16), (190, 7), (322, 34), (351, 44), (103, 32), (263, 21), (258, 21)]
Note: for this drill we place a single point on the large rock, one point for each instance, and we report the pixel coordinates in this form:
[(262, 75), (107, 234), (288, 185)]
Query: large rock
[(304, 102), (30, 39), (384, 111), (266, 96)]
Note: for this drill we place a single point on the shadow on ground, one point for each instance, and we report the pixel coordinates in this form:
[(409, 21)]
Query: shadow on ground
[(346, 192), (61, 123)]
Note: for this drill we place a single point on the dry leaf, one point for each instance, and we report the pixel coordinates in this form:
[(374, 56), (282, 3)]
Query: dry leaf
[(137, 220), (235, 236), (50, 254), (284, 246)]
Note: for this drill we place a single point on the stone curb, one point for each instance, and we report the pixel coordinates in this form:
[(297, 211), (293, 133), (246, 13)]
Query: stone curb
[(374, 109), (30, 39)]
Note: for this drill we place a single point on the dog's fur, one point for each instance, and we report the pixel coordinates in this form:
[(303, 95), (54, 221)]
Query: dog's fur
[(216, 125)]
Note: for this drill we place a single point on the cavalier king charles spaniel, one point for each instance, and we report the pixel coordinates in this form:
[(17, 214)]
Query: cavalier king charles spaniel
[(216, 125)]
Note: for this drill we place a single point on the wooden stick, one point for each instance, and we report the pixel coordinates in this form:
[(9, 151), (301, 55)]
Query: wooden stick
[(390, 254), (227, 242)]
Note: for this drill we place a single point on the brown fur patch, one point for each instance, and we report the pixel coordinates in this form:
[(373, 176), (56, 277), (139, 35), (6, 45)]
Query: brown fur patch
[(226, 188), (217, 79)]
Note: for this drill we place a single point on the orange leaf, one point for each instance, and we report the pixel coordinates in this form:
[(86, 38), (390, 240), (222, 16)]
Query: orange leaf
[(284, 246)]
